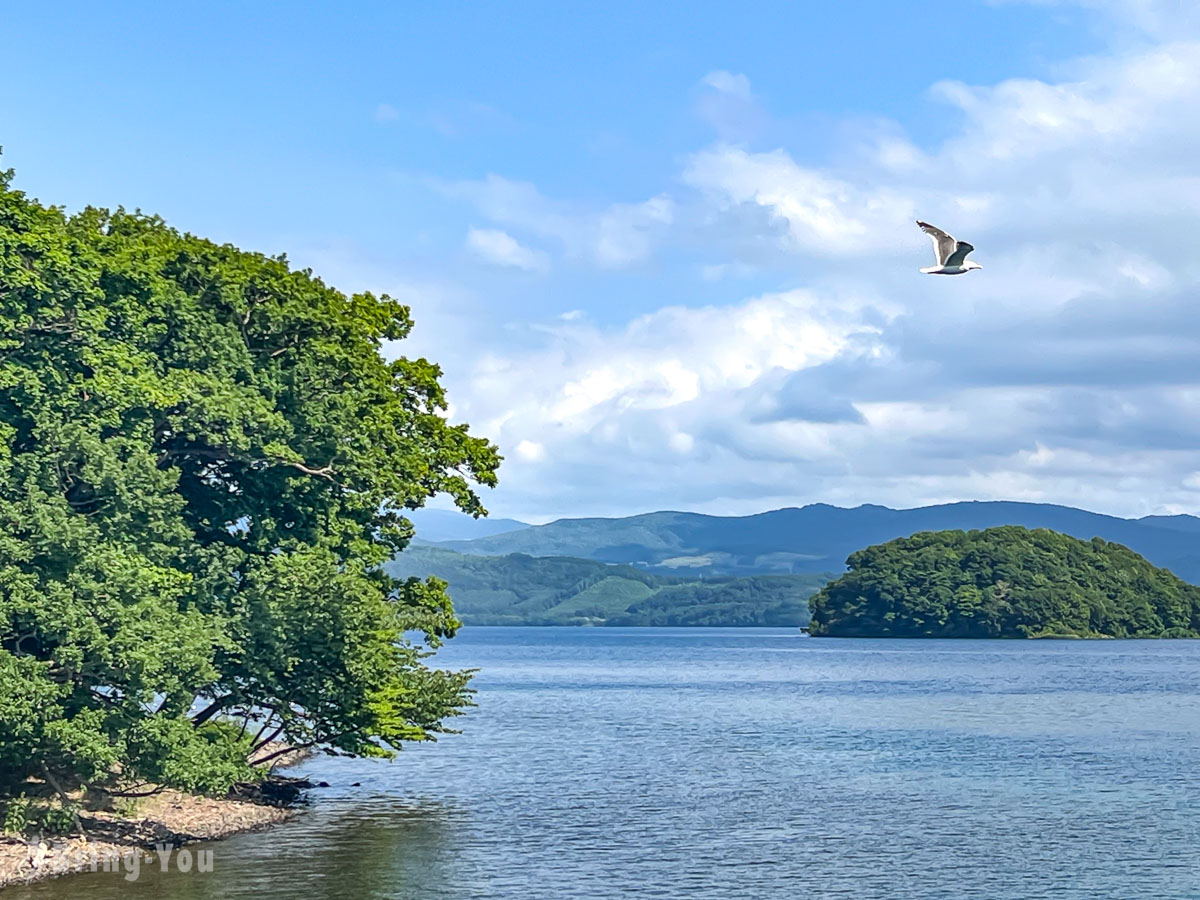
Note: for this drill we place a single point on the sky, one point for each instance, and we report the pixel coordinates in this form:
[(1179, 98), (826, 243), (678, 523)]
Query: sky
[(665, 253)]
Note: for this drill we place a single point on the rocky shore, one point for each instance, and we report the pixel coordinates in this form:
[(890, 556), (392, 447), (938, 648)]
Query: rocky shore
[(167, 819)]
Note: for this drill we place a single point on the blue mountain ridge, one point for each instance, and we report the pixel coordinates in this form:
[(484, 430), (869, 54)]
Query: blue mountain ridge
[(819, 537)]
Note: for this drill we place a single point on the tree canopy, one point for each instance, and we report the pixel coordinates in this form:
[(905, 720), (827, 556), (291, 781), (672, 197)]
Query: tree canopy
[(204, 461), (1004, 582)]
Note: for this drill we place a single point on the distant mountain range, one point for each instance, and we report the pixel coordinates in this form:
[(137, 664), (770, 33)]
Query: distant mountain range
[(812, 539), (434, 525)]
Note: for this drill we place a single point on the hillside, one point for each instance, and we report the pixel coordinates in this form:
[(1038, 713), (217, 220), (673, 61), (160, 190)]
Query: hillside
[(818, 538), (1004, 582), (525, 590)]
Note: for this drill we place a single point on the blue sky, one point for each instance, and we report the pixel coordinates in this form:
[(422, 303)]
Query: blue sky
[(664, 252)]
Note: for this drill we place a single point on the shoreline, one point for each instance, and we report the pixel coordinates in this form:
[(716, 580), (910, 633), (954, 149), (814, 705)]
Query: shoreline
[(168, 819)]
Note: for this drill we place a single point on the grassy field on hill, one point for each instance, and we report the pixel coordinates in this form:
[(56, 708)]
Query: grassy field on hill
[(554, 590)]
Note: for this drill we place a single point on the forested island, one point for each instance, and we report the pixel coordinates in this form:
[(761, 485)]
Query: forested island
[(1007, 582)]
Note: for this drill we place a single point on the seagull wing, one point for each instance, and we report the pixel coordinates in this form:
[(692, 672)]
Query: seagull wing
[(959, 256), (943, 244)]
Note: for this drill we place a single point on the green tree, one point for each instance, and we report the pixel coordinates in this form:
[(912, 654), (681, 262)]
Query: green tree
[(1004, 582), (204, 462)]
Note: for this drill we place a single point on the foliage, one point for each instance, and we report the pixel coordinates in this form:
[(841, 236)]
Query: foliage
[(778, 600), (1004, 582), (28, 815), (204, 459), (555, 590)]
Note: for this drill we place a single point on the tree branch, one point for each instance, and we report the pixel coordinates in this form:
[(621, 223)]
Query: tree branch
[(66, 801), (265, 725), (274, 734), (278, 753), (211, 710), (131, 794), (325, 471)]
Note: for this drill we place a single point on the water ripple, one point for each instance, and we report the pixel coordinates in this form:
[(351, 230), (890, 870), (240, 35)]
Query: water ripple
[(753, 764)]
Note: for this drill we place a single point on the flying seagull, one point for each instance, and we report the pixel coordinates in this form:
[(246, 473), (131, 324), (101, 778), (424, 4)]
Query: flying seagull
[(951, 255)]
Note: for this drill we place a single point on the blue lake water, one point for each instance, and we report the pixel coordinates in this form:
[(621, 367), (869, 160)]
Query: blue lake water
[(744, 763)]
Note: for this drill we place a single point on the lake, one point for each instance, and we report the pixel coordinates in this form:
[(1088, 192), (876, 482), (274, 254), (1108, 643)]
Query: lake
[(745, 763)]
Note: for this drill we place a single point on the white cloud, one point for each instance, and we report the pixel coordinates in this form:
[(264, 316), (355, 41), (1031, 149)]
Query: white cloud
[(625, 232), (719, 271), (1064, 372), (675, 383), (501, 249), (682, 442), (823, 213), (1112, 105), (385, 112), (616, 236), (726, 102), (530, 451), (728, 83)]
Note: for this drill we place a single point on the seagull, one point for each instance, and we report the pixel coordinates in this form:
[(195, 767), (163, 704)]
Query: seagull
[(951, 255)]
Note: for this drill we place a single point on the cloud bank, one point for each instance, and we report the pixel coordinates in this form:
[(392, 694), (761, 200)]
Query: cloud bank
[(1067, 371)]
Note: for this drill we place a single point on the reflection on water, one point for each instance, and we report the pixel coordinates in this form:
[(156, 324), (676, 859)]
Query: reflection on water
[(755, 763), (380, 848)]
